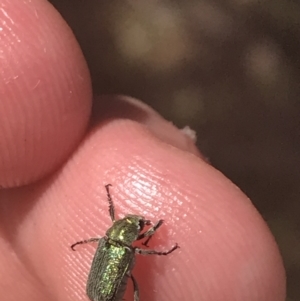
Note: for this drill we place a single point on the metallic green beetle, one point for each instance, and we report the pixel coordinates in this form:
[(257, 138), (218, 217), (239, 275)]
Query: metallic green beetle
[(115, 255)]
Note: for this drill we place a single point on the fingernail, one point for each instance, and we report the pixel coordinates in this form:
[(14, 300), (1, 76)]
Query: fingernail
[(124, 107)]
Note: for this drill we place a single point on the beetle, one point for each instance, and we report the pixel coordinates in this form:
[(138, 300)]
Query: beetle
[(115, 255)]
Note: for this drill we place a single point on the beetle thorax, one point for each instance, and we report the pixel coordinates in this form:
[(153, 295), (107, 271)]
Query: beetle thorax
[(127, 229)]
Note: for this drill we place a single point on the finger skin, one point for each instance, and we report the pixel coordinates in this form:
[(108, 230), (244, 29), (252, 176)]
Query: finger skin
[(226, 251), (45, 91)]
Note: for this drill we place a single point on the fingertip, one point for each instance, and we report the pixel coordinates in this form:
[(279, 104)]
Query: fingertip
[(45, 92), (226, 250)]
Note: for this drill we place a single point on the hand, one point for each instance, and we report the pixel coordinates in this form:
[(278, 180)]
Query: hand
[(226, 250)]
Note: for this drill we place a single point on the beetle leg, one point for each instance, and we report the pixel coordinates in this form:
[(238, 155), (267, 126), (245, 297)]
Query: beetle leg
[(135, 289), (95, 239), (154, 252), (150, 232)]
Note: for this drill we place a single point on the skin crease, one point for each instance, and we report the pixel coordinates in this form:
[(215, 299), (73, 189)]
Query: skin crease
[(226, 250)]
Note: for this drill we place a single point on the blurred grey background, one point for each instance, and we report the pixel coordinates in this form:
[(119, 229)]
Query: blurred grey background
[(228, 69)]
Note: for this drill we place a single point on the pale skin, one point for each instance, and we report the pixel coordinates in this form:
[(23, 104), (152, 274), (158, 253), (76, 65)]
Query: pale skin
[(226, 250)]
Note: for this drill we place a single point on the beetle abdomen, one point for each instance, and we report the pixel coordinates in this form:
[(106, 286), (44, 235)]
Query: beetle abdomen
[(109, 271)]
